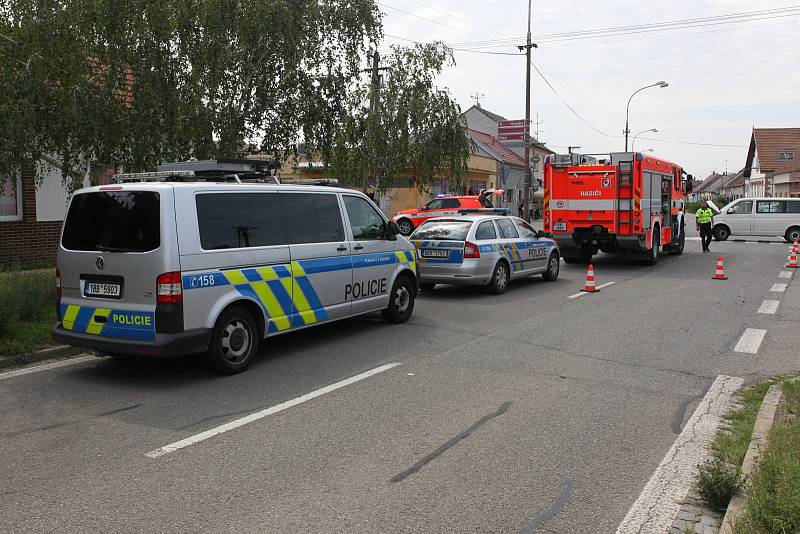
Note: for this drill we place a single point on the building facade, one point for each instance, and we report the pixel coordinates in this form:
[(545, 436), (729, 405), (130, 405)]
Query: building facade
[(771, 165)]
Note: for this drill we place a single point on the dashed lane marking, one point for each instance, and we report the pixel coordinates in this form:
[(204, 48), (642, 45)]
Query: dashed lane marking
[(659, 502), (197, 438), (785, 274), (46, 367), (750, 341), (778, 288), (769, 307), (582, 293)]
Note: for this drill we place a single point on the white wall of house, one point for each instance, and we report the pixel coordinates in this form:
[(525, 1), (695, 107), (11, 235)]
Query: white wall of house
[(477, 120), (51, 195)]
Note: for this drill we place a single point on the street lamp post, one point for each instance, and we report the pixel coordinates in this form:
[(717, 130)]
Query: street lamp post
[(661, 84), (633, 144)]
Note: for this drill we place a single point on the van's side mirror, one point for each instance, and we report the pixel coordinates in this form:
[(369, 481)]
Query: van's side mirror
[(392, 231)]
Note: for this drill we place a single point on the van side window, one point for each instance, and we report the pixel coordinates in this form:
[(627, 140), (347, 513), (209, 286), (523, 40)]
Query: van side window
[(745, 207), (770, 206), (793, 206), (485, 230), (365, 221), (239, 220), (312, 218)]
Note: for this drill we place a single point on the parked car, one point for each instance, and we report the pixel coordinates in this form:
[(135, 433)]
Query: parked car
[(441, 206), (479, 249), (768, 217)]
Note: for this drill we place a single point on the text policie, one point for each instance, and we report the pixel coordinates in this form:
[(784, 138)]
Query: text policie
[(366, 288)]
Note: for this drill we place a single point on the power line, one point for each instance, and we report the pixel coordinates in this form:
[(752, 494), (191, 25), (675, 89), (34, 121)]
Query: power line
[(450, 15), (429, 20), (456, 49)]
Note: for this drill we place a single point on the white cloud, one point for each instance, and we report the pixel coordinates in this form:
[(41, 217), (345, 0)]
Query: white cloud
[(723, 79)]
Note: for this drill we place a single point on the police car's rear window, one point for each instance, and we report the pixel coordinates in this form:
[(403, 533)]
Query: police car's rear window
[(113, 221), (444, 230)]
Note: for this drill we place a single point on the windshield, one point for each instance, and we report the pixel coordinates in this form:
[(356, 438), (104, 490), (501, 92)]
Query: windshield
[(115, 221), (443, 230)]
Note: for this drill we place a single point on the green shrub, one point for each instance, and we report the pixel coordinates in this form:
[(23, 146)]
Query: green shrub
[(26, 296), (717, 482)]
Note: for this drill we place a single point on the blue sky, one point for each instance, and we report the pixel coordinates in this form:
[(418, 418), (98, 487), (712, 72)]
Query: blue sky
[(723, 79)]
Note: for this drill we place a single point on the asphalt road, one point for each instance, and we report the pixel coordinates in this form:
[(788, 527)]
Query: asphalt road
[(526, 412)]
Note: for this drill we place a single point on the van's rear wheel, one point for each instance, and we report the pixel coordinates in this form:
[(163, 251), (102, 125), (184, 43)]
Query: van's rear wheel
[(401, 301), (234, 343)]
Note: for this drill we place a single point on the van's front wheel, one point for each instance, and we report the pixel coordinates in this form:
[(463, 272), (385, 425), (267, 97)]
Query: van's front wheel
[(401, 301), (234, 343)]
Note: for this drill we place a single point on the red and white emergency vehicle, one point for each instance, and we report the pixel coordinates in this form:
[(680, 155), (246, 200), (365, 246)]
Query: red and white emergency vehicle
[(626, 202), (442, 206)]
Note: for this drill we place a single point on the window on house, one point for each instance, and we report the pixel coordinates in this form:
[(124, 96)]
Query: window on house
[(10, 199), (786, 154)]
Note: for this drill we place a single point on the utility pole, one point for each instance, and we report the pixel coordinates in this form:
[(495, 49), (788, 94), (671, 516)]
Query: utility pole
[(374, 95), (526, 192)]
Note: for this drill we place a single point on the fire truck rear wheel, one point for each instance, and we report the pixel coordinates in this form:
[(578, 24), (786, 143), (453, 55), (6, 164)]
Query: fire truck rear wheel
[(677, 249), (500, 277), (405, 227), (653, 256)]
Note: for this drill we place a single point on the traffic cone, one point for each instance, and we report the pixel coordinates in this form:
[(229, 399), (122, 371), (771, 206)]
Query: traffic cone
[(794, 247), (589, 286), (792, 263), (719, 274)]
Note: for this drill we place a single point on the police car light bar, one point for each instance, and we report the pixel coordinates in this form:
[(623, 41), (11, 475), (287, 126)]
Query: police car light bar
[(484, 211)]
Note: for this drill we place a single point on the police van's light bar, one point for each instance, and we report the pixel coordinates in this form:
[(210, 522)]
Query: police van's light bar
[(485, 211), (152, 176)]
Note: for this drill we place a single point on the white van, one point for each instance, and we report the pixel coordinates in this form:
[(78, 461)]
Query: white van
[(768, 217), (165, 268)]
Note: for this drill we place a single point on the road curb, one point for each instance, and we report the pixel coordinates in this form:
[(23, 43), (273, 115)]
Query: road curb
[(758, 443), (59, 351)]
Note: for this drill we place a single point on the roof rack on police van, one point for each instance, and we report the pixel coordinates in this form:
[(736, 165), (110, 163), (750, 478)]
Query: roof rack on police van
[(215, 170), (483, 211)]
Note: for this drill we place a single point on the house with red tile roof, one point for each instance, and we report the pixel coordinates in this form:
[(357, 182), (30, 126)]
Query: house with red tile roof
[(771, 168)]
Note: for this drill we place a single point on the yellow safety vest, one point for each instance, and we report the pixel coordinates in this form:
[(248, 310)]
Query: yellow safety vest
[(704, 216)]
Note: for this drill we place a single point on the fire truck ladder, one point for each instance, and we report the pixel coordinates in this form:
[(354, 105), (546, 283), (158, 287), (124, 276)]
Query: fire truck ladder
[(625, 198)]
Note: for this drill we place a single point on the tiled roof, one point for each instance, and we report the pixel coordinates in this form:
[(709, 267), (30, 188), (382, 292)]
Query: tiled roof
[(769, 142), (493, 147)]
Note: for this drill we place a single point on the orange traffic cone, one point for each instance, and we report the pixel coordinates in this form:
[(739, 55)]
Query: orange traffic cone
[(719, 274), (792, 263), (794, 247), (589, 286)]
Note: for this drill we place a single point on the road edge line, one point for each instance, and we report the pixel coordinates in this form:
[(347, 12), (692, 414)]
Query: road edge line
[(44, 367), (658, 503)]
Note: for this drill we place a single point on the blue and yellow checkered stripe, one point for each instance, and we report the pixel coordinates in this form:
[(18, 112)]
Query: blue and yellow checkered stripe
[(510, 250), (108, 322), (285, 292)]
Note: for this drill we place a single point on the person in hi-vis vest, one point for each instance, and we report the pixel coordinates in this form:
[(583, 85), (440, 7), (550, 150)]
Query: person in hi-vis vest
[(705, 219)]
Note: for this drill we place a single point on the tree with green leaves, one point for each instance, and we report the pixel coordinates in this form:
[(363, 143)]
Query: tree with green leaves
[(138, 82), (403, 126)]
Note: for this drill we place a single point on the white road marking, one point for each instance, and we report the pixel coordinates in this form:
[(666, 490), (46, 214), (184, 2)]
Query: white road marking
[(45, 367), (197, 438), (582, 293), (750, 341), (778, 288), (785, 274), (769, 307), (659, 502)]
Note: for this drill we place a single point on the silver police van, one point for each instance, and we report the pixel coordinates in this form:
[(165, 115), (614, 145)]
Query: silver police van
[(164, 268), (482, 249)]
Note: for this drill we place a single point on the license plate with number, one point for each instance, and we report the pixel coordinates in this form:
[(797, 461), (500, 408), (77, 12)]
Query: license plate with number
[(560, 226), (98, 289), (435, 253)]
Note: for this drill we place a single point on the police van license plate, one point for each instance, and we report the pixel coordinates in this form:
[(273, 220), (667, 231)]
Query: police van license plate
[(560, 226), (99, 289), (435, 253)]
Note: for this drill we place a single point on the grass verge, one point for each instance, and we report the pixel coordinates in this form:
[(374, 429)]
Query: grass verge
[(773, 498), (27, 301)]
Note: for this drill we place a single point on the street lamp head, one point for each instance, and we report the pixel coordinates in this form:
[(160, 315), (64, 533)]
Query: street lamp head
[(653, 130), (662, 84)]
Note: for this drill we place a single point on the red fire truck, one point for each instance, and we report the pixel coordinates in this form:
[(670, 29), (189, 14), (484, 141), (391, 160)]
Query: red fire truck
[(626, 202)]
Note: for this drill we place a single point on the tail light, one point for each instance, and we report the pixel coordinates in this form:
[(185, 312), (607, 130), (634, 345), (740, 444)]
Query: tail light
[(58, 285), (169, 288), (471, 250)]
